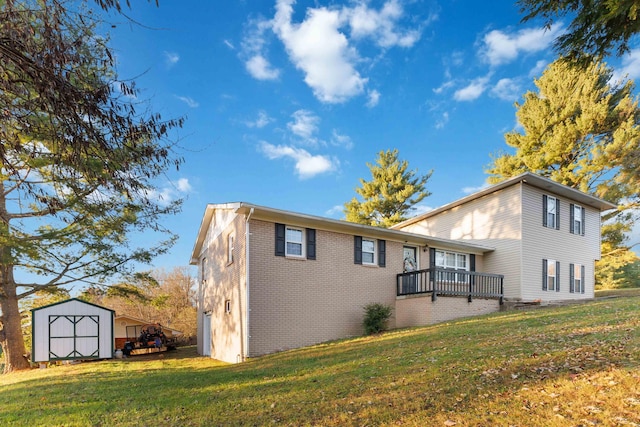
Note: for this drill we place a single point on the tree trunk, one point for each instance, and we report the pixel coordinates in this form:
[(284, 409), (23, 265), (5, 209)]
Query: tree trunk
[(11, 333)]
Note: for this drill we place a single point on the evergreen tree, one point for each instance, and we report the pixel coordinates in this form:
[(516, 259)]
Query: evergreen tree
[(582, 131), (598, 28), (391, 193), (79, 160)]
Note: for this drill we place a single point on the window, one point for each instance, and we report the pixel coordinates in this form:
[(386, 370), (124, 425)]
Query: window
[(550, 275), (576, 278), (452, 260), (227, 306), (550, 212), (293, 239), (295, 242), (367, 252), (203, 272), (230, 245), (577, 220)]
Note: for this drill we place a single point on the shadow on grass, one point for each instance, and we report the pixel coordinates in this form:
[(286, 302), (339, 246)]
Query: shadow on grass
[(467, 371)]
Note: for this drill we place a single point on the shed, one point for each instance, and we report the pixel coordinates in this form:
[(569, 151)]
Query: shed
[(70, 330)]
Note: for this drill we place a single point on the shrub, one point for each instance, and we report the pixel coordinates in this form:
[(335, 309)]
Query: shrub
[(376, 316)]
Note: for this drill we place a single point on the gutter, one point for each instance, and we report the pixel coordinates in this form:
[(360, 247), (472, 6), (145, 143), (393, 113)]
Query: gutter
[(247, 235)]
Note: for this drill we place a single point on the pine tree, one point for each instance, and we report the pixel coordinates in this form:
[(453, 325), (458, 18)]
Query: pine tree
[(582, 131), (79, 160), (598, 27), (391, 193)]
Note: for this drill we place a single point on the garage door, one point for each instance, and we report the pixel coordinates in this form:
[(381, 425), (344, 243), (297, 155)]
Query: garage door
[(74, 337)]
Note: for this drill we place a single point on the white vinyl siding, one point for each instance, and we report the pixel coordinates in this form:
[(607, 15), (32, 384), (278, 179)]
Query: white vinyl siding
[(562, 246), (495, 221)]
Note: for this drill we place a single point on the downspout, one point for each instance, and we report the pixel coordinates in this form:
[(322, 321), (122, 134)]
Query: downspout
[(247, 306)]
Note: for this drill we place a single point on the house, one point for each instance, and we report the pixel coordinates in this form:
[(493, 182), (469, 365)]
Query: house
[(71, 330), (128, 328), (271, 280), (534, 224)]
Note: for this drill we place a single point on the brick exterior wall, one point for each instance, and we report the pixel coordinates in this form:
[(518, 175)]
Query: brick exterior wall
[(225, 282), (419, 310), (296, 302), (299, 302)]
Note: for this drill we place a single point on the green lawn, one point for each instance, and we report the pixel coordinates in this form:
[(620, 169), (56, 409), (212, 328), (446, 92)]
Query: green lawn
[(564, 366)]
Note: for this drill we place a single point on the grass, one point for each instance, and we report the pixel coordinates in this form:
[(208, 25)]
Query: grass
[(561, 366), (625, 292)]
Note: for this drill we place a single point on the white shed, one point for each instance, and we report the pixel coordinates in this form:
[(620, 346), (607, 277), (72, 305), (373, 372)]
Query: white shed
[(71, 329)]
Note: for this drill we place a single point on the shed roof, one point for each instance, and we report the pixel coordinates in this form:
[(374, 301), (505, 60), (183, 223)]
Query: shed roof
[(70, 300)]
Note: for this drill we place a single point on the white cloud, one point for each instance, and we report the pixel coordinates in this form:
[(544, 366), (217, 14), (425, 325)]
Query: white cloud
[(442, 121), (304, 124), (341, 140), (473, 90), (381, 25), (183, 185), (254, 52), (507, 90), (306, 164), (318, 48), (189, 101), (471, 190), (501, 47), (420, 209), (630, 67), (171, 192), (322, 44), (374, 98), (261, 121), (335, 211), (538, 69), (261, 69), (446, 85), (171, 58)]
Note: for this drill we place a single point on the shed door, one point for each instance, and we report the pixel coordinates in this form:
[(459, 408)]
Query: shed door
[(74, 337)]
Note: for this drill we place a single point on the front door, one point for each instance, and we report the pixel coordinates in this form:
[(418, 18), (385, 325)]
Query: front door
[(410, 259)]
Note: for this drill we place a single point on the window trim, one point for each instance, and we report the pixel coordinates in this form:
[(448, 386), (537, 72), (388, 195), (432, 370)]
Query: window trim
[(231, 239), (373, 252), (302, 242), (308, 236), (379, 251), (546, 265), (546, 213), (572, 278), (467, 259), (579, 219)]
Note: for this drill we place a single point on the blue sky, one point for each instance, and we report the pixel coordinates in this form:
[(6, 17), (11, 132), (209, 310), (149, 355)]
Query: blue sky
[(285, 102)]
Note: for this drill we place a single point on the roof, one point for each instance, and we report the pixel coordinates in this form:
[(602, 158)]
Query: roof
[(144, 322), (69, 300), (526, 178), (320, 223)]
